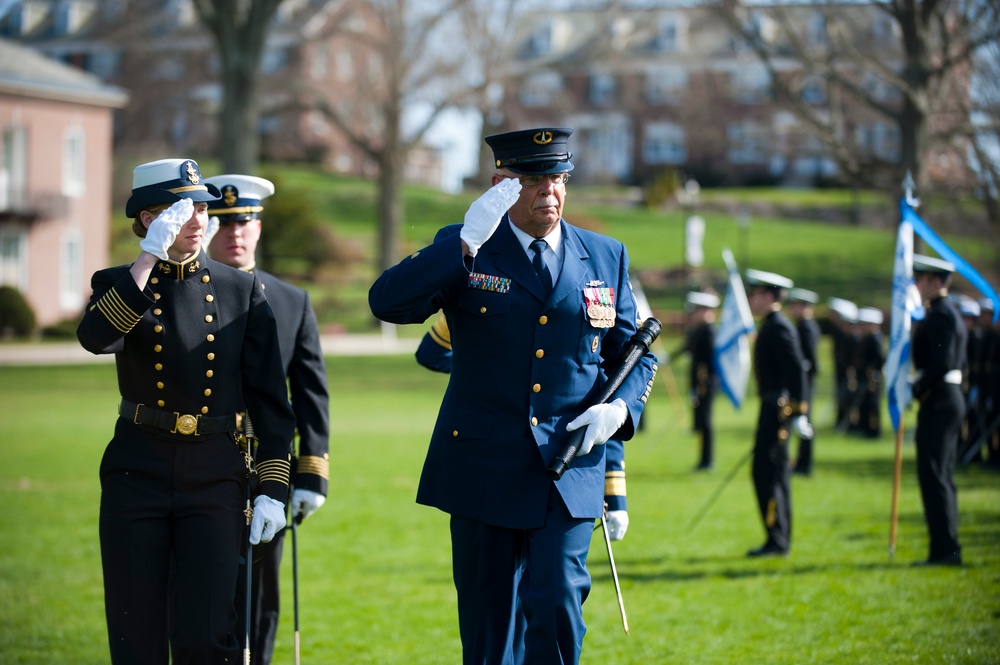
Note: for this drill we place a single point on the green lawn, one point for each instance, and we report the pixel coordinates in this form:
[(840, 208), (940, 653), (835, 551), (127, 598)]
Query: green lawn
[(375, 567)]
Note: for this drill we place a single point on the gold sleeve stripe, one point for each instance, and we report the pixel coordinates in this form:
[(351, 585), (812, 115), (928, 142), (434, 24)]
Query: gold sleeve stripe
[(117, 312), (277, 470), (614, 483), (317, 466), (440, 333)]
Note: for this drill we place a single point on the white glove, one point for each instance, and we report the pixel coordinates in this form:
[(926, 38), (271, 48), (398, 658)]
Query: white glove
[(602, 421), (485, 213), (305, 503), (268, 519), (802, 427), (213, 228), (163, 230), (617, 524)]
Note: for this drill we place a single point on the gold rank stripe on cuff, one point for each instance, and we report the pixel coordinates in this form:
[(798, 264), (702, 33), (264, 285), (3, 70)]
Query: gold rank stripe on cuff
[(118, 314), (649, 385), (614, 483), (278, 470), (317, 466)]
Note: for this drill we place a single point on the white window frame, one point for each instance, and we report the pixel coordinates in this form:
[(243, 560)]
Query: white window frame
[(14, 257), (74, 161), (71, 272)]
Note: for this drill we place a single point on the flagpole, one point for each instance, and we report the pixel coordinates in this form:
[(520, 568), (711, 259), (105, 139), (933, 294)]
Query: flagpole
[(896, 478)]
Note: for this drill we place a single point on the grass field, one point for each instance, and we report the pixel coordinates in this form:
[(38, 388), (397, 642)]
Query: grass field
[(375, 567)]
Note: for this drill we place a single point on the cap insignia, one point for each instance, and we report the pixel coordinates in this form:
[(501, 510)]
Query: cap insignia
[(192, 171), (542, 138), (229, 195)]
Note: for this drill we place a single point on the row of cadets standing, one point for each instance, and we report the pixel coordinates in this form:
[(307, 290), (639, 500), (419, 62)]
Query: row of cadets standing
[(858, 352), (982, 385), (699, 341), (801, 306)]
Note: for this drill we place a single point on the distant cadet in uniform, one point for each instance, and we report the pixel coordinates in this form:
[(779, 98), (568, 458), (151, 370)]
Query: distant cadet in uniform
[(990, 381), (434, 353), (938, 350), (699, 342), (778, 366), (235, 244), (538, 311), (801, 307), (195, 343), (972, 388), (870, 372), (843, 319)]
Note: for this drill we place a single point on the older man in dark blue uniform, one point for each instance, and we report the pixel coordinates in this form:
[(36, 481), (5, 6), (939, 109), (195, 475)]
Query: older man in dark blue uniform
[(195, 343), (938, 347), (235, 244), (780, 371), (538, 310)]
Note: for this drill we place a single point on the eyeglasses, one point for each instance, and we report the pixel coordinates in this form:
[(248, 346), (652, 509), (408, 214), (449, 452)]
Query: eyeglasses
[(536, 180)]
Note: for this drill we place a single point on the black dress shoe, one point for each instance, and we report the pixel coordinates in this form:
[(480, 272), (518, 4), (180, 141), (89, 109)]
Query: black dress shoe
[(952, 559), (768, 549), (801, 471)]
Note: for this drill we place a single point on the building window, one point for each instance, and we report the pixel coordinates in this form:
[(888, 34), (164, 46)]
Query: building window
[(664, 144), (540, 41), (747, 142), (540, 89), (665, 85), (74, 165), (71, 277), (14, 168), (750, 84), (880, 140), (602, 89), (670, 34), (273, 60), (814, 91), (13, 258), (818, 36)]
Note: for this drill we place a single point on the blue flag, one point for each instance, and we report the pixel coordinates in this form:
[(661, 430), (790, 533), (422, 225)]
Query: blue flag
[(906, 307), (962, 267), (731, 353)]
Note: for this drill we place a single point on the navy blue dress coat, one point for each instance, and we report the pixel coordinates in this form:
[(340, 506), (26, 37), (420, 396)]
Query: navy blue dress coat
[(523, 367)]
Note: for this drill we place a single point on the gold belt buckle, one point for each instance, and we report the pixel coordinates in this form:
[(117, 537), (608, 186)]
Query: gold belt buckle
[(185, 424)]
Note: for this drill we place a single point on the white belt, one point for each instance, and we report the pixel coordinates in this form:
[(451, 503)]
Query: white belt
[(953, 377)]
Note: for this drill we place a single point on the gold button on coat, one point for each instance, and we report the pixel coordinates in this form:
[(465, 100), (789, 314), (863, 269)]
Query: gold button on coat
[(157, 311), (536, 388), (208, 392), (482, 310), (209, 298), (211, 356), (155, 280), (205, 278), (455, 433), (159, 384), (160, 402), (158, 328), (543, 320), (210, 374), (158, 366), (157, 348), (209, 318), (534, 421), (539, 353), (210, 337)]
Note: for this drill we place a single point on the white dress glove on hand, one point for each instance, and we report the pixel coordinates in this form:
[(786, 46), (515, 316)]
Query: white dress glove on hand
[(802, 427), (617, 524), (268, 519), (213, 228), (485, 213), (305, 503), (163, 230), (602, 420)]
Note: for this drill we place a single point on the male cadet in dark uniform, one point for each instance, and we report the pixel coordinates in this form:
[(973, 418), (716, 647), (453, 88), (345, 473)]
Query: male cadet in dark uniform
[(800, 306), (699, 342), (973, 420), (195, 342), (938, 360), (235, 244), (870, 372), (778, 365), (538, 311)]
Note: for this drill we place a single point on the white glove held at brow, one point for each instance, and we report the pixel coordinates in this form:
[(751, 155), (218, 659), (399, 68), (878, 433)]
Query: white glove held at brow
[(163, 230), (485, 213), (305, 503), (602, 420), (268, 519), (802, 427), (617, 524), (213, 228)]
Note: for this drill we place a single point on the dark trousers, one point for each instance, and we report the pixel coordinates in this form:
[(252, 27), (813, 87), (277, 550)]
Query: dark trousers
[(539, 574), (265, 604), (171, 524), (938, 423), (703, 425), (771, 475)]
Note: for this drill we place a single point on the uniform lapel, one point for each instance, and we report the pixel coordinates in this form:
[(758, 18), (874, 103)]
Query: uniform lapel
[(574, 265)]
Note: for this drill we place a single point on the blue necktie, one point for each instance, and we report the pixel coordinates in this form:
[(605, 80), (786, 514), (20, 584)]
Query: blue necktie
[(543, 270)]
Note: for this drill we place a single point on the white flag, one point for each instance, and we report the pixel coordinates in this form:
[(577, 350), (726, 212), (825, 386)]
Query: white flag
[(906, 306), (732, 344)]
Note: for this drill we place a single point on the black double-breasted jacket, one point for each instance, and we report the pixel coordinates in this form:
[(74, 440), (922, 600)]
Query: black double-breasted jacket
[(199, 341)]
